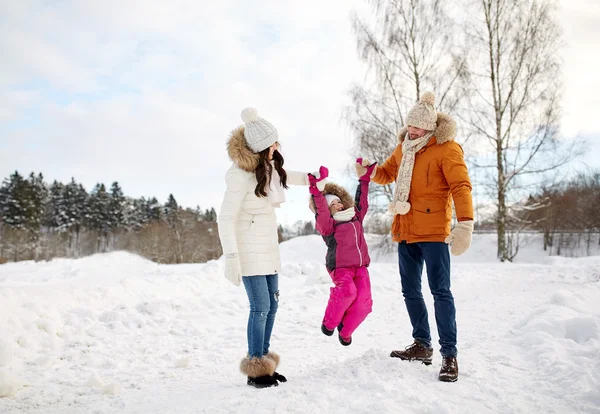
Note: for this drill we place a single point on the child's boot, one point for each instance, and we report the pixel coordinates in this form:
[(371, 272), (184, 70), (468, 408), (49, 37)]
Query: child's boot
[(326, 331), (343, 340)]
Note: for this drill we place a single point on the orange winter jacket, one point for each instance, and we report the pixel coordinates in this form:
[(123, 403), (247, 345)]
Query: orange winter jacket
[(440, 174)]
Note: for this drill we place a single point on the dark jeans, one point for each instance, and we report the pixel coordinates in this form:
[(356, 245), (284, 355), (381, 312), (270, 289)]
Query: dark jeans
[(263, 295), (437, 258)]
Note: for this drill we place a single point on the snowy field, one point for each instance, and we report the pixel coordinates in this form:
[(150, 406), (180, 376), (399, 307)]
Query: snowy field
[(116, 333)]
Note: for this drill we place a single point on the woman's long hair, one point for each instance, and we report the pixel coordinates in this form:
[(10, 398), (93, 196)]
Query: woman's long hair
[(264, 171)]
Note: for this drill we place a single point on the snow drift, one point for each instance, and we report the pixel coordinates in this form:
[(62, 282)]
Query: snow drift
[(117, 333)]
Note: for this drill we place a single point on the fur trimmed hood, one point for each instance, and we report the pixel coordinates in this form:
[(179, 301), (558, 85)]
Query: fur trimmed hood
[(338, 190), (445, 130), (239, 152)]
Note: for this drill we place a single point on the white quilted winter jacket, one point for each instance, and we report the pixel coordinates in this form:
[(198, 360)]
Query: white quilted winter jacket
[(247, 223)]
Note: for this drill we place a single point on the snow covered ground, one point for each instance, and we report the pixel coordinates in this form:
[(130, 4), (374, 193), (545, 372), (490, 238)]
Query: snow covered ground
[(116, 333)]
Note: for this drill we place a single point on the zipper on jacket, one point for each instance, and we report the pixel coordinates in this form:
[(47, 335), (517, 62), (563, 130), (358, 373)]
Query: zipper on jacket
[(356, 238)]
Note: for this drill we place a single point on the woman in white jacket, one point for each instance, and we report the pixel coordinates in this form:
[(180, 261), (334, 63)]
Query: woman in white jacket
[(248, 230)]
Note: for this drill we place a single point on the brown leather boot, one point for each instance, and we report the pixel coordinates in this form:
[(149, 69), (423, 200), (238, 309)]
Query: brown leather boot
[(414, 352), (449, 371)]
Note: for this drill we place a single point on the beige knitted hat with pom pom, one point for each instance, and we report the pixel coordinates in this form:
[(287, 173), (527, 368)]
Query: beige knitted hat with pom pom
[(423, 115)]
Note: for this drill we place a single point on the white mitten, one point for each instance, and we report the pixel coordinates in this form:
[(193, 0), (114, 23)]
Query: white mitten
[(460, 237), (399, 207), (233, 269)]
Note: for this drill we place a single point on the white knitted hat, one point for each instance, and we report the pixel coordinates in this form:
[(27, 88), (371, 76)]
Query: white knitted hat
[(259, 133), (331, 197), (423, 115)]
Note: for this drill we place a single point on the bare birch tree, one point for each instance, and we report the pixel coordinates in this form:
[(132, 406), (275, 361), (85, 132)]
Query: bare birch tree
[(412, 48), (515, 93)]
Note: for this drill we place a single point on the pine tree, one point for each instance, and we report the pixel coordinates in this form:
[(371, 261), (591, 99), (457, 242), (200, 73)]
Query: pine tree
[(23, 201), (35, 201), (137, 215), (171, 211), (154, 210), (38, 199), (12, 195), (74, 210), (173, 219), (210, 215), (22, 207), (13, 216), (53, 217), (99, 216), (308, 229), (198, 213), (117, 207)]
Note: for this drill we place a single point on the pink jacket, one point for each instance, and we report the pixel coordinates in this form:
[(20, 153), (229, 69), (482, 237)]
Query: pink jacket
[(346, 245)]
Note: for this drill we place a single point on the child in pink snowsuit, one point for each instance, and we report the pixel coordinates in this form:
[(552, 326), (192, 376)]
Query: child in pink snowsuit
[(339, 220)]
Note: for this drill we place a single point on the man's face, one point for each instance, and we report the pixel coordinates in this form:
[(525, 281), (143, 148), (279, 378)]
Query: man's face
[(414, 132)]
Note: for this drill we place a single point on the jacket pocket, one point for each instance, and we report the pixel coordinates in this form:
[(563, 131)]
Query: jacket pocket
[(429, 217), (246, 233)]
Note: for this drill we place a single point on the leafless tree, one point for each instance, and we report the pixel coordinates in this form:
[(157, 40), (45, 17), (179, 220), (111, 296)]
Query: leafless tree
[(514, 98), (567, 214), (410, 48)]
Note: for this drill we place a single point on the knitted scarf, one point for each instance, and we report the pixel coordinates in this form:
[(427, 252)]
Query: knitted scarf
[(400, 204)]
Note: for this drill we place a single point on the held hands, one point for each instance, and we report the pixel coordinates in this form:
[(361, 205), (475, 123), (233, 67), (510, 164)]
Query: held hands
[(364, 170), (317, 180), (460, 237), (233, 269)]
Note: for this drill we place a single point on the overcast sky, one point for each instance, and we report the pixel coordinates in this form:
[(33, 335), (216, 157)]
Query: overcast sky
[(146, 92)]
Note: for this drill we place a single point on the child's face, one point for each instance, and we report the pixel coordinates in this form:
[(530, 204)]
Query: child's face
[(335, 207)]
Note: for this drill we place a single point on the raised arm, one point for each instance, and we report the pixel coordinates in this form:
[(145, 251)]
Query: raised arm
[(388, 172), (324, 221), (364, 171)]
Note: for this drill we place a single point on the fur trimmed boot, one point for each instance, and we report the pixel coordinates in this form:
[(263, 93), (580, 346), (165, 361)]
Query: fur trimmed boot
[(275, 358), (264, 381), (259, 371)]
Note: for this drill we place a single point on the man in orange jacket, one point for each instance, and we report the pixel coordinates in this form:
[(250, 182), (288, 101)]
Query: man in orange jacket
[(429, 170)]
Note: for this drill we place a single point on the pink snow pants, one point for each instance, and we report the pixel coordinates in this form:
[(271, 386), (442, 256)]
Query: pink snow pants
[(350, 299)]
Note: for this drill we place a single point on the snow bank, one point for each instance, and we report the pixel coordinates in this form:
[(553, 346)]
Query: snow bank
[(117, 333), (562, 339), (73, 318)]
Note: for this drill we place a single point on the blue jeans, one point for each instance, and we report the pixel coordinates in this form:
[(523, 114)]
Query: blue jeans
[(263, 295), (437, 258)]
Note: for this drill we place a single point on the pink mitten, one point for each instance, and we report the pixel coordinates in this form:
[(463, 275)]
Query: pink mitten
[(364, 170), (317, 180)]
